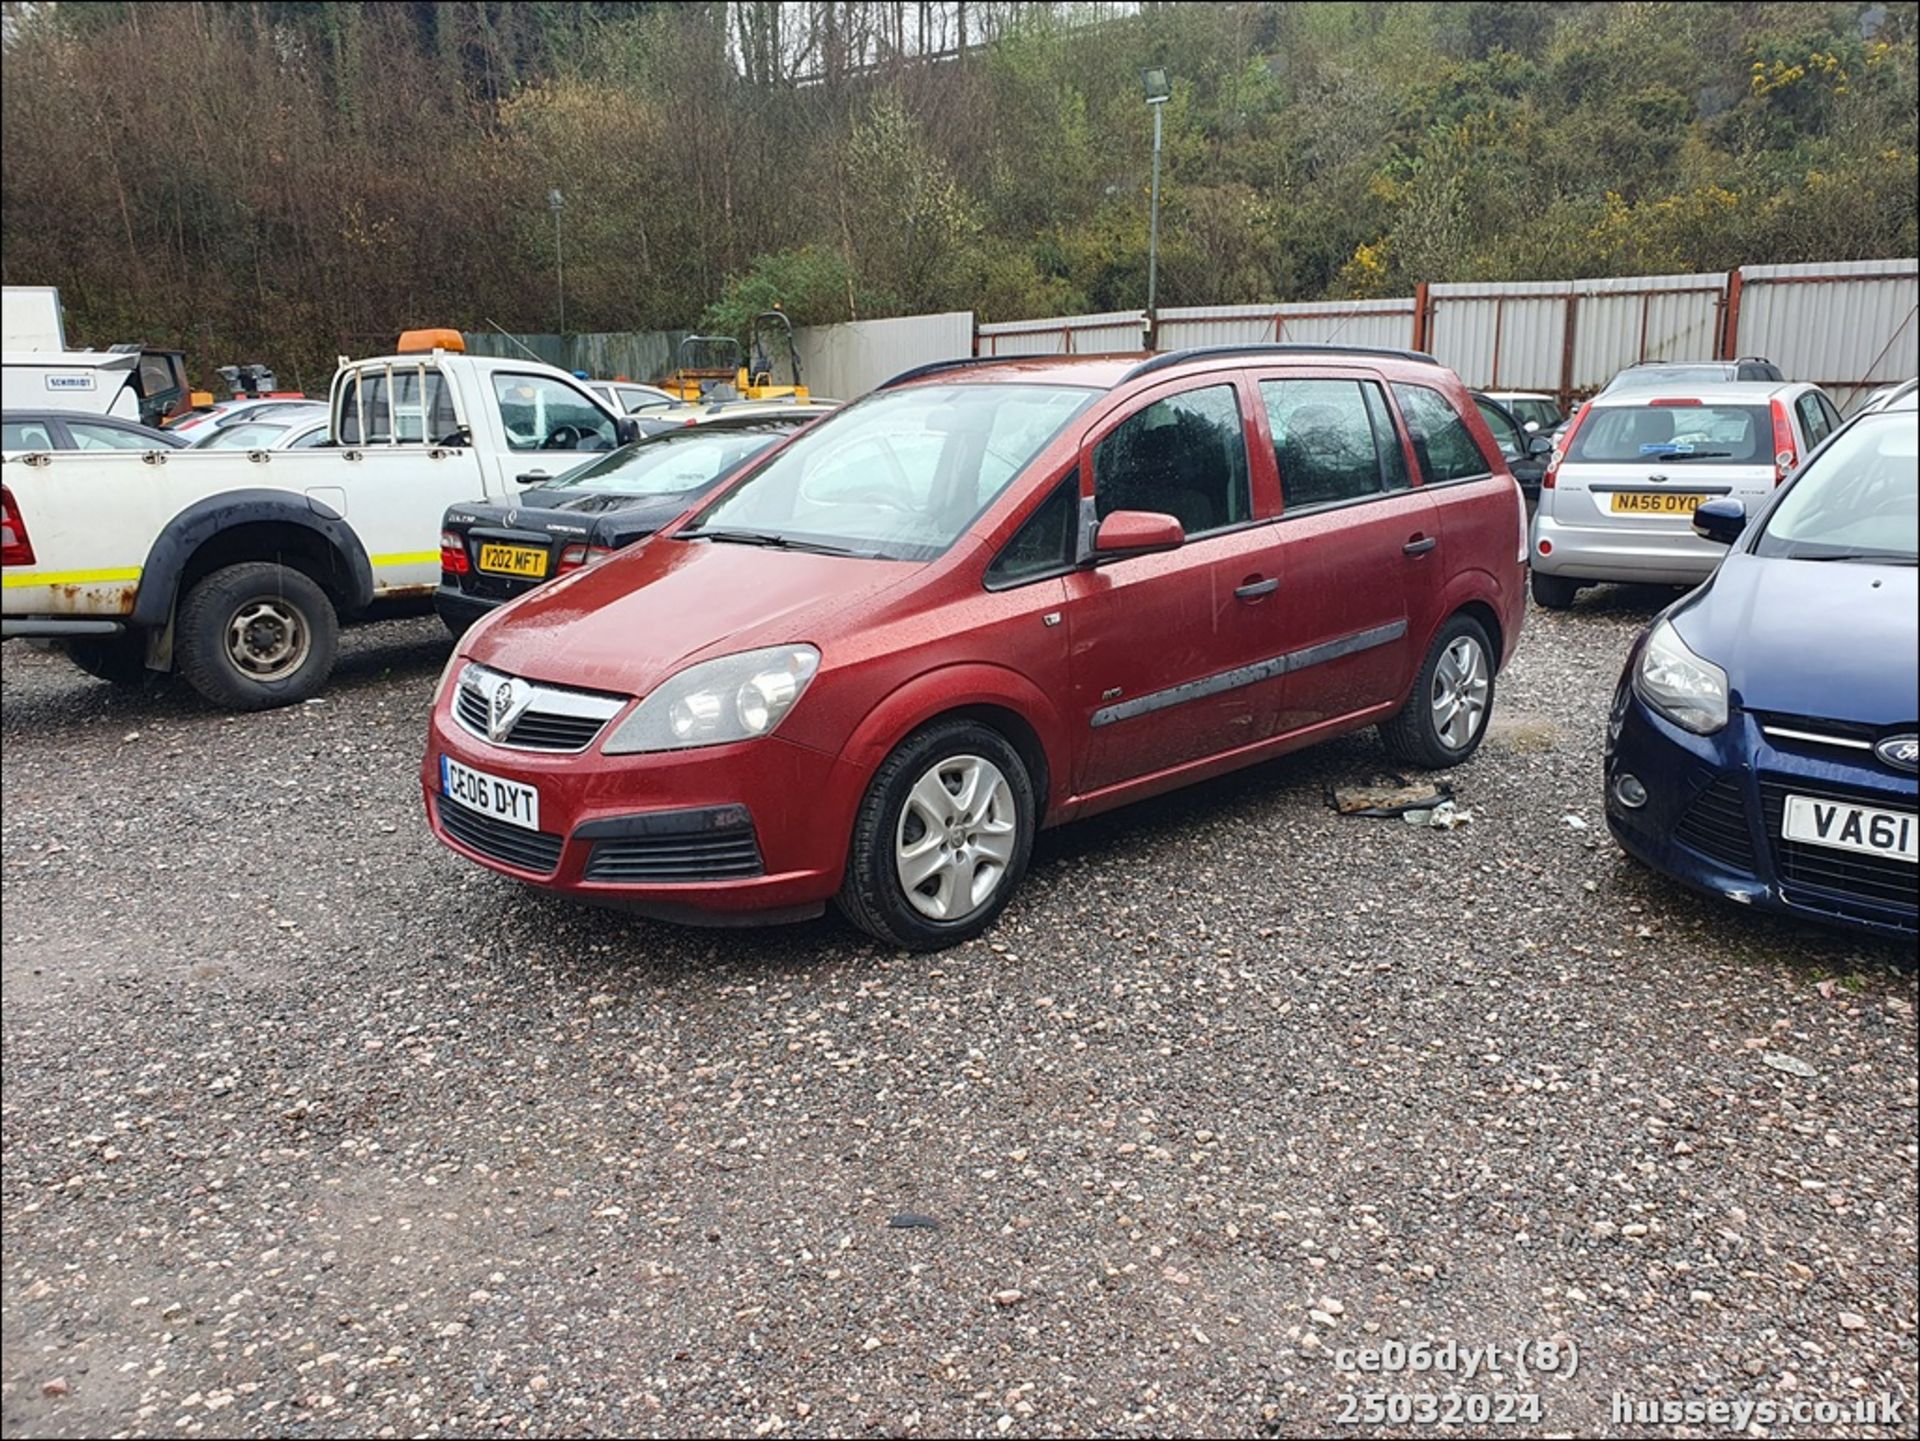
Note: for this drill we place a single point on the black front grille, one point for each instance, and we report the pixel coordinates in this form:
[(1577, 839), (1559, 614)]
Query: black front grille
[(535, 851), (711, 843), (1838, 876), (535, 730), (1716, 824), (662, 860)]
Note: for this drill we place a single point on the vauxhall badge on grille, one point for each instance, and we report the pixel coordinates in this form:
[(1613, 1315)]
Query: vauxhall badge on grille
[(510, 699)]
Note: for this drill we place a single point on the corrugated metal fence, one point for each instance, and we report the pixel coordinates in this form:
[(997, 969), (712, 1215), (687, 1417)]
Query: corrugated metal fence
[(1849, 325), (843, 361)]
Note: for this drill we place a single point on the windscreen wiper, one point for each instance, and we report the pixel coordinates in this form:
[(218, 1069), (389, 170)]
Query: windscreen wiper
[(1693, 455), (773, 541), (1877, 557)]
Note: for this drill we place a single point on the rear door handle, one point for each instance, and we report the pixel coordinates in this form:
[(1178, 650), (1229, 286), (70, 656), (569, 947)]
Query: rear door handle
[(1420, 545), (533, 477), (1254, 589)]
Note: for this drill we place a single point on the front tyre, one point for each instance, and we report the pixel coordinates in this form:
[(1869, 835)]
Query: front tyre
[(256, 635), (941, 839), (1446, 713)]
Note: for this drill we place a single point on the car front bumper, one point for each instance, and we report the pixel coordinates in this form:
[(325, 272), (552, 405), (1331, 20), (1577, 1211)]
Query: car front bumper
[(1711, 819), (1620, 553), (733, 834)]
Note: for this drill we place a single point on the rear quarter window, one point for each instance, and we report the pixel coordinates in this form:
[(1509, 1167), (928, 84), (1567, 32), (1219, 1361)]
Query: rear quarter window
[(1446, 448)]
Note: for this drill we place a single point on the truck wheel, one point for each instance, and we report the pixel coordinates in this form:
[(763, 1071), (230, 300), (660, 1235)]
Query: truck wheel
[(941, 839), (256, 635), (119, 660)]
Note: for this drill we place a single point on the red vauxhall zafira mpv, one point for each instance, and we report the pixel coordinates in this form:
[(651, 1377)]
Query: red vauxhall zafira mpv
[(991, 596)]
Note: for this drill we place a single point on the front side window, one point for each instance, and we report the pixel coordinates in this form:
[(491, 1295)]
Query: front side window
[(1184, 456), (397, 405), (633, 399), (540, 413), (1324, 441), (1858, 500), (1441, 440), (899, 475), (1044, 544), (87, 436), (679, 461), (1675, 434)]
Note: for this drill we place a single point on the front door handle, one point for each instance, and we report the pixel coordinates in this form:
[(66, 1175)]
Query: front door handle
[(1255, 589), (533, 477), (1419, 545)]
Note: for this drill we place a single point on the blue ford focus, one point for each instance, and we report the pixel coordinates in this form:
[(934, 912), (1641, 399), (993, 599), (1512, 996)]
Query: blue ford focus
[(1762, 744)]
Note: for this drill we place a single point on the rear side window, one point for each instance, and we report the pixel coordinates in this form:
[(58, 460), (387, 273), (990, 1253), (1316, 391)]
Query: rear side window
[(1628, 434), (1044, 545), (88, 436), (1333, 441), (1184, 456), (396, 406), (28, 435), (1441, 440)]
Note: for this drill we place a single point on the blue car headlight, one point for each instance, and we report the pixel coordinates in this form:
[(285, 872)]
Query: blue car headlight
[(1689, 691)]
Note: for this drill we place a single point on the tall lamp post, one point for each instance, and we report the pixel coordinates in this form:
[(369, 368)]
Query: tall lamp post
[(1154, 82), (555, 200)]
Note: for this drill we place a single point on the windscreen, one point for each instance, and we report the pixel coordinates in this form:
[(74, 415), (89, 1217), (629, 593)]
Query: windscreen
[(1629, 434), (898, 476), (669, 464), (1542, 413), (1859, 499)]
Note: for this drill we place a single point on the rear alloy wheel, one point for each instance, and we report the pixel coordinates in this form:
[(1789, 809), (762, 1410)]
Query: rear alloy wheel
[(257, 635), (941, 839), (1446, 713), (1555, 592)]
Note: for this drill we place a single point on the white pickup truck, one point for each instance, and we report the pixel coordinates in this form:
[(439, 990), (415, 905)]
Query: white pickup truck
[(236, 567)]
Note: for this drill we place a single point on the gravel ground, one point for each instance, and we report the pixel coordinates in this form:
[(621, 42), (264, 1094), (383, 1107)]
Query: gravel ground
[(311, 1128)]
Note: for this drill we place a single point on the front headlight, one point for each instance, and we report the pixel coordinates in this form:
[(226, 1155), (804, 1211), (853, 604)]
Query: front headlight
[(1689, 691), (735, 698)]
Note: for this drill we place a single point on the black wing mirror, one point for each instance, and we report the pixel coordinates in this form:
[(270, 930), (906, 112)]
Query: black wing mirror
[(1539, 445), (1720, 521)]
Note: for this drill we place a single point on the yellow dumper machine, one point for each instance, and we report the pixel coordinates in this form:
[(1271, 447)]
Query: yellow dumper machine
[(711, 367)]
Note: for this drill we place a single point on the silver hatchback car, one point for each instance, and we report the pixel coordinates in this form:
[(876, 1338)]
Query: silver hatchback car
[(1617, 500)]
